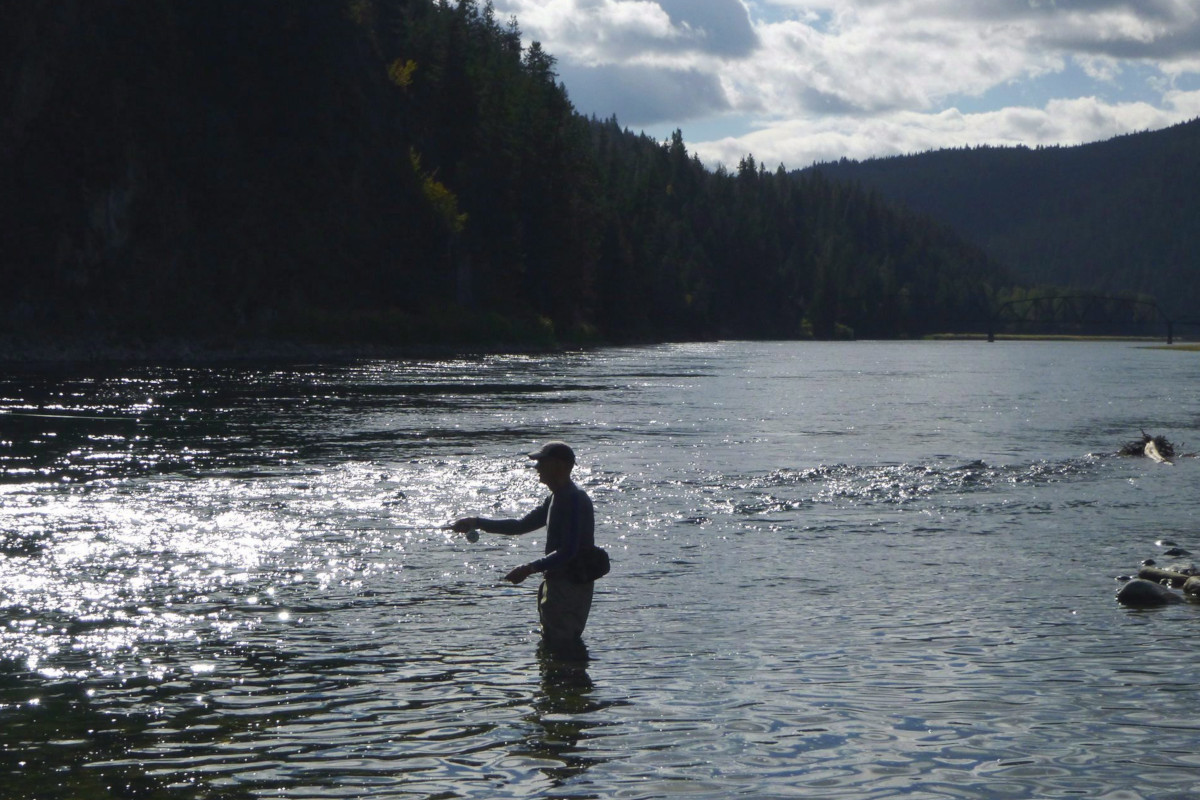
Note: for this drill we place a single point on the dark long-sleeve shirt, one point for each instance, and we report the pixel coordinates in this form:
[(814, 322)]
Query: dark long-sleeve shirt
[(569, 521)]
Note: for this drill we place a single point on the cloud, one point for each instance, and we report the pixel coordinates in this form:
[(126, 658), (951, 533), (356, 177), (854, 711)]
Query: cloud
[(827, 78), (799, 143), (1144, 29), (599, 32), (1155, 30), (723, 25), (662, 96), (878, 65)]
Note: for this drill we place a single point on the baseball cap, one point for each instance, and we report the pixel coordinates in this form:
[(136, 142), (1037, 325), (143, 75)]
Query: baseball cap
[(559, 450)]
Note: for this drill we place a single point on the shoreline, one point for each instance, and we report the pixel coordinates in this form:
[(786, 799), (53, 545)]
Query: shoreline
[(1062, 337), (53, 354), (62, 353)]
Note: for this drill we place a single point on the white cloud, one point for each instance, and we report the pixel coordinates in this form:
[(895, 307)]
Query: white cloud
[(593, 31), (603, 32), (863, 77), (689, 93), (1100, 68), (1186, 105), (799, 143), (879, 65)]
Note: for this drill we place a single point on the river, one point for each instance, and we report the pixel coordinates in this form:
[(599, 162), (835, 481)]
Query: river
[(840, 570)]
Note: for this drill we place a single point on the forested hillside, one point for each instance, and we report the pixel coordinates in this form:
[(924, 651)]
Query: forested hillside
[(403, 171), (1115, 216)]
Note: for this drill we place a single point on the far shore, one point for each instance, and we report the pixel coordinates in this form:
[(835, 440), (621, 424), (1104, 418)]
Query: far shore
[(175, 351), (1153, 342), (1191, 347), (50, 353)]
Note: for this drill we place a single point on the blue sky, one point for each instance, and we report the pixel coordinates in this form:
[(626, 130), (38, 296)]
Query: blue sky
[(795, 82)]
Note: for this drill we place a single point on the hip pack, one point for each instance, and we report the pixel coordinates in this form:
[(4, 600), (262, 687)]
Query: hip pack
[(590, 564)]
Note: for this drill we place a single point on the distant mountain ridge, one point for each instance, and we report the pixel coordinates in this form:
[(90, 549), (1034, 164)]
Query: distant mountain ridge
[(1121, 215)]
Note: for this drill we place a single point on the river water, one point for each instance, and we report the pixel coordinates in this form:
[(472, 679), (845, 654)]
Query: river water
[(841, 570)]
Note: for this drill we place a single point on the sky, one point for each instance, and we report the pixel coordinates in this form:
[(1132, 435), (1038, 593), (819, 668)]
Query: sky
[(797, 82)]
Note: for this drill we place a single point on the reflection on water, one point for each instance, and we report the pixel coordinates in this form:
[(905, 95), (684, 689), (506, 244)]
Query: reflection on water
[(840, 570), (560, 716)]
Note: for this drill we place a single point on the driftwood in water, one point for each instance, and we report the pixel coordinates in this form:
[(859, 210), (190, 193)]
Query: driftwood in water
[(1153, 454), (1155, 447)]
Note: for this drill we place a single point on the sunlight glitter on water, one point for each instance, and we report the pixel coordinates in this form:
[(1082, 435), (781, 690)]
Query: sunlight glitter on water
[(251, 595)]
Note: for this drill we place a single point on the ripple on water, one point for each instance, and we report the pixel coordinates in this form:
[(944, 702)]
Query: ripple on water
[(246, 593)]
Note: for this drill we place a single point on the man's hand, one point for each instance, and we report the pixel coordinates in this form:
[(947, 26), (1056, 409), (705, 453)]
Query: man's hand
[(464, 525), (520, 573)]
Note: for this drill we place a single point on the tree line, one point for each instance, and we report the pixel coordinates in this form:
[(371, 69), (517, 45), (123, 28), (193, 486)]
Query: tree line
[(1115, 217), (406, 171)]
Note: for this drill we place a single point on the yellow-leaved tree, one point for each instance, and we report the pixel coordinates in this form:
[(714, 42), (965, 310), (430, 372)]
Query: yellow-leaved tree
[(439, 197)]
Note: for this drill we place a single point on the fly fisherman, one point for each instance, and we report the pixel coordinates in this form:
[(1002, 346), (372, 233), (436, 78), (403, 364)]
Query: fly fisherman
[(565, 596)]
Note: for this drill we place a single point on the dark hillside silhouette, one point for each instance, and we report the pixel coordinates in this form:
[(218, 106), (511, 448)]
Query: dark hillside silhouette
[(1115, 216), (396, 172)]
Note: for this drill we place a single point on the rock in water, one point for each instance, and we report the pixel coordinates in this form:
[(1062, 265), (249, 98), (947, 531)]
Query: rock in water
[(1140, 593), (1164, 577)]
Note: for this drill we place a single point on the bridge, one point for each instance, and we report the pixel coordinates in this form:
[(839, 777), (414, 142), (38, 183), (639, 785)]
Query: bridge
[(1083, 311)]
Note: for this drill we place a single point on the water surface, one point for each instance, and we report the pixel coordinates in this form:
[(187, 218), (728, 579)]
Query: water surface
[(851, 570)]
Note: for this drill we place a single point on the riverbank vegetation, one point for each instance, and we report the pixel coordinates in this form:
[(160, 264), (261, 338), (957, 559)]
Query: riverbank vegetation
[(401, 172), (1116, 216)]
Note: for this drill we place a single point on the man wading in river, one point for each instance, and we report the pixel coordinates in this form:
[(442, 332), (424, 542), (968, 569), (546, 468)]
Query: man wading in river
[(565, 596)]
